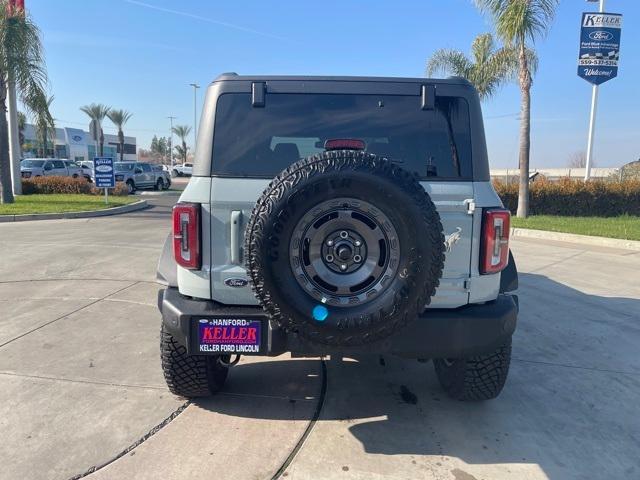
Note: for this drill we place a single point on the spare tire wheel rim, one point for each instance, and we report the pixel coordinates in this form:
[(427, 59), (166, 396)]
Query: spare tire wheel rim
[(344, 252)]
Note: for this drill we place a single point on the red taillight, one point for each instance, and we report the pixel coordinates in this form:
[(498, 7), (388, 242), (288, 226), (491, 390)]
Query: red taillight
[(344, 144), (495, 240), (186, 235)]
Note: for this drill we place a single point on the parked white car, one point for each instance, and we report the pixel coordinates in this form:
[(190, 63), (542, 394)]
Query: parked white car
[(181, 170)]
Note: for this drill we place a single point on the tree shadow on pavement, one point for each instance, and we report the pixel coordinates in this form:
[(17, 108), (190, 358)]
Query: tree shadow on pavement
[(570, 404)]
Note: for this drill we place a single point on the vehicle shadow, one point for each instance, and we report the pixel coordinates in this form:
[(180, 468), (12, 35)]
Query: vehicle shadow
[(570, 404)]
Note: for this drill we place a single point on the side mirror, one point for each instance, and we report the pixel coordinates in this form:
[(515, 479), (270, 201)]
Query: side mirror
[(137, 170)]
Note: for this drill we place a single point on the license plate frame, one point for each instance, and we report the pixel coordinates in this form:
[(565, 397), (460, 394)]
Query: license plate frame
[(228, 335)]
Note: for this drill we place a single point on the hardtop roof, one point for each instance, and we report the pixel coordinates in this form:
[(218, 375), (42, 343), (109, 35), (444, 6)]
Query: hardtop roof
[(226, 77)]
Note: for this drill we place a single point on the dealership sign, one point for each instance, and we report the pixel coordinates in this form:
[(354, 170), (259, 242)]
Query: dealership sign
[(103, 172), (599, 47)]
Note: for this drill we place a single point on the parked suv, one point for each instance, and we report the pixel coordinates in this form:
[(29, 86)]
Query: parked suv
[(339, 216), (141, 175)]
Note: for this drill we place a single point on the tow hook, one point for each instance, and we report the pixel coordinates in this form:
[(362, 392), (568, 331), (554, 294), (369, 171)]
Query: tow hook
[(229, 364)]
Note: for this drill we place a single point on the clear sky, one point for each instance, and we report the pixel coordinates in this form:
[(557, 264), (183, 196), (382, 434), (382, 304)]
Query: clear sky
[(142, 55)]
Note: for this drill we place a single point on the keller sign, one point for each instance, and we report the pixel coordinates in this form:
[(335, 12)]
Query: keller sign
[(599, 47)]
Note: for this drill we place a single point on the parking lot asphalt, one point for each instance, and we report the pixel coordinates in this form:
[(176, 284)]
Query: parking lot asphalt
[(81, 387)]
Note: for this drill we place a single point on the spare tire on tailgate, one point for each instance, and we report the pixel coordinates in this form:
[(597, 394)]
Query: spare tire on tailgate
[(344, 248)]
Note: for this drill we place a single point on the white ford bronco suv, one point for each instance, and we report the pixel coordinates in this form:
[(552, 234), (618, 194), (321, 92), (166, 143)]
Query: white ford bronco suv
[(339, 216)]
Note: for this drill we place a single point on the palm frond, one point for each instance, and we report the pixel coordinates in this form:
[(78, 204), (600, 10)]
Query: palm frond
[(119, 117), (22, 58), (449, 61), (487, 70), (182, 131), (517, 21), (95, 111)]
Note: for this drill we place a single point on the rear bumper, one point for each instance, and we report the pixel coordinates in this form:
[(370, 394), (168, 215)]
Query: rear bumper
[(437, 333)]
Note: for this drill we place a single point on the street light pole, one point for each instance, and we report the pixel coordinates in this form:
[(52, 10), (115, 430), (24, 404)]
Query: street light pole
[(171, 119), (592, 120), (195, 113)]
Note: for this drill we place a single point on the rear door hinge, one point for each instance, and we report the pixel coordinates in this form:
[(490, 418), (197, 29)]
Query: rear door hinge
[(467, 284), (471, 206)]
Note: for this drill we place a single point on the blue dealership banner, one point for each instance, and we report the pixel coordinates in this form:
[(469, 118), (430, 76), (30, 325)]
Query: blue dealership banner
[(103, 172), (599, 46)]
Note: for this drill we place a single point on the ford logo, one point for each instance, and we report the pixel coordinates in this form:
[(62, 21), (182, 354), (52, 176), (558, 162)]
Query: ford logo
[(236, 282), (76, 138), (104, 168), (600, 35)]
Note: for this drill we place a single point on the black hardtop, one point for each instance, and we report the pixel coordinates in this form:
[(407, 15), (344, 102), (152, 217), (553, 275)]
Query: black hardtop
[(261, 86)]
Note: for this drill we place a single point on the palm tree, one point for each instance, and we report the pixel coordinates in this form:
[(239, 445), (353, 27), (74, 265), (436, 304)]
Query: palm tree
[(119, 118), (45, 127), (22, 62), (487, 70), (97, 112), (181, 150), (182, 131), (518, 23)]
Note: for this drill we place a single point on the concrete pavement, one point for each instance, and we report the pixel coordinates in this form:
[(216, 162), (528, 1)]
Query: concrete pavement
[(81, 387)]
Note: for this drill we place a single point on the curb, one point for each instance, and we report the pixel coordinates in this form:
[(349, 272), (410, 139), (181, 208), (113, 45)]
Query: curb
[(131, 207), (574, 238)]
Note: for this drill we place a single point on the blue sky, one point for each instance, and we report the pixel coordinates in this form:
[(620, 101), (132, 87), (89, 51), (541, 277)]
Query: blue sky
[(142, 55)]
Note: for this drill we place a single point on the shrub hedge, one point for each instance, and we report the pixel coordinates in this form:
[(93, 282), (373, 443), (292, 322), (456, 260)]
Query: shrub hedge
[(55, 184), (576, 198)]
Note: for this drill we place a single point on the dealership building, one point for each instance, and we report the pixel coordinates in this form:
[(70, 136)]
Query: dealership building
[(76, 144)]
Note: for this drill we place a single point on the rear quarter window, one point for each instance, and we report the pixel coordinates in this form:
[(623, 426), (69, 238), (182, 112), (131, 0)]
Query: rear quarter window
[(261, 142)]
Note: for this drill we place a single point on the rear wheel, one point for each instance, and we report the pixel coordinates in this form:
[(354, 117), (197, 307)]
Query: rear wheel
[(480, 377), (190, 375), (131, 187)]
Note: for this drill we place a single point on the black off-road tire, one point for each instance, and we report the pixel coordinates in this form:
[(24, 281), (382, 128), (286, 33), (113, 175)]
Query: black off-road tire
[(481, 377), (190, 376), (364, 177), (159, 185)]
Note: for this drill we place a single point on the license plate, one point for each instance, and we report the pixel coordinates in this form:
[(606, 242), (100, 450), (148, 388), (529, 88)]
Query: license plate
[(229, 335)]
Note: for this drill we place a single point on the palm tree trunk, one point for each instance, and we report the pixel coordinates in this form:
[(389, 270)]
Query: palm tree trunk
[(6, 192), (101, 142), (184, 151), (121, 139), (525, 133), (45, 141)]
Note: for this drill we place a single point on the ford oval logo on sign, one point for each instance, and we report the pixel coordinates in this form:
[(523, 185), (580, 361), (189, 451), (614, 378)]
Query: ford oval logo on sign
[(103, 168), (600, 35), (77, 138), (236, 282)]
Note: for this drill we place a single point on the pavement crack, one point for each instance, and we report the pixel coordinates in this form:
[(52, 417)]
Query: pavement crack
[(307, 432), (577, 367), (66, 315), (88, 382), (82, 279), (536, 270), (135, 444)]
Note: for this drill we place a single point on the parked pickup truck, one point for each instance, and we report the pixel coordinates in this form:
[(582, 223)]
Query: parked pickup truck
[(49, 167), (182, 170), (141, 175)]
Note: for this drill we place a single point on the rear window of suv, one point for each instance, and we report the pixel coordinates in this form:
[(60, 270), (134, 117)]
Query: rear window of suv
[(261, 142)]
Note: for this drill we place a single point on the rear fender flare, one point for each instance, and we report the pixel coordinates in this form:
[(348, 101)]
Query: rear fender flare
[(509, 276)]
